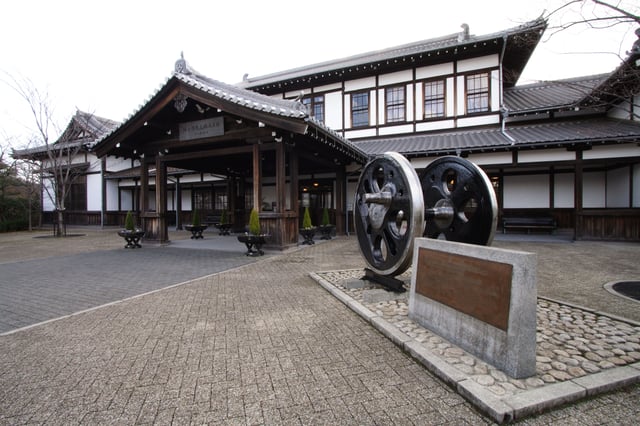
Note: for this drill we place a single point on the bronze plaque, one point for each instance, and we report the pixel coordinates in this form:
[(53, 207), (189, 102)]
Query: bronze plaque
[(477, 287)]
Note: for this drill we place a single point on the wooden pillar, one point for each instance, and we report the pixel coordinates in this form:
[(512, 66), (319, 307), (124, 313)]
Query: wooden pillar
[(257, 181), (231, 202), (178, 204), (162, 230), (577, 202), (341, 200), (281, 179), (293, 171), (144, 187), (103, 201)]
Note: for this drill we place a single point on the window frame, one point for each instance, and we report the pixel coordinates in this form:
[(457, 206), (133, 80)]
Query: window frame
[(434, 99), (312, 101), (360, 110), (393, 106), (478, 94)]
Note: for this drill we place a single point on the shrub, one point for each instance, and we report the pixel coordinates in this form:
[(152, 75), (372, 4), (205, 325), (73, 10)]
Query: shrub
[(254, 222), (325, 217), (129, 224), (306, 220), (223, 217), (195, 221)]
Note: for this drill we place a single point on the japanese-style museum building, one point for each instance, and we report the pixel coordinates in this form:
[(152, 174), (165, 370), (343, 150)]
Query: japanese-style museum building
[(569, 149)]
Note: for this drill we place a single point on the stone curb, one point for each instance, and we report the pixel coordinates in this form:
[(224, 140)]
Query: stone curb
[(500, 409)]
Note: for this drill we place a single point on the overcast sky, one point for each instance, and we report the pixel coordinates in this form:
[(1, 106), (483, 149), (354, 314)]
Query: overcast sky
[(108, 57)]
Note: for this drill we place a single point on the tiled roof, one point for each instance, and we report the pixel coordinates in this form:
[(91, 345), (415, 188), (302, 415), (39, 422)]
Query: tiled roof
[(292, 109), (243, 97), (415, 48), (593, 130), (84, 129), (551, 94)]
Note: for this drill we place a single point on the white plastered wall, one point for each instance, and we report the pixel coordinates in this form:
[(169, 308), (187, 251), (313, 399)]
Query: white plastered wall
[(94, 192), (529, 191), (563, 190)]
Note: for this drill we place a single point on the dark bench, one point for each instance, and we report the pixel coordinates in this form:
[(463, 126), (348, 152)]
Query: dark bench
[(529, 223)]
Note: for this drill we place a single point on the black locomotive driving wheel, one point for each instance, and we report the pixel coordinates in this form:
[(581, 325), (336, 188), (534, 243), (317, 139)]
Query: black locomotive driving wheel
[(459, 200), (389, 213)]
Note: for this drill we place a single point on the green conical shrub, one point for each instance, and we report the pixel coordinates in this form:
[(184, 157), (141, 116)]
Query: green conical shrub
[(129, 224), (223, 217), (254, 223), (306, 220), (196, 218), (325, 217)]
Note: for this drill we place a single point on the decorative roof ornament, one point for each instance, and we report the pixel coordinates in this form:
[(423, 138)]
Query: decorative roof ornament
[(180, 102), (181, 65), (464, 35)]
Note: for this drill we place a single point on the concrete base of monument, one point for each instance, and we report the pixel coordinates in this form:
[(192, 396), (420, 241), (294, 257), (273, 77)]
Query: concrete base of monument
[(483, 299), (561, 376)]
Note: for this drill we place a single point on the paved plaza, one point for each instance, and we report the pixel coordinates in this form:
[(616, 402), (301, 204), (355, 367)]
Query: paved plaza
[(241, 340)]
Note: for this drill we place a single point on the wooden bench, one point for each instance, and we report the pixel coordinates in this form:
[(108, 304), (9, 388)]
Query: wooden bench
[(529, 223)]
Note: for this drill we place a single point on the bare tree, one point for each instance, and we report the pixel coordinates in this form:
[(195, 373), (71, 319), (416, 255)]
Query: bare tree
[(621, 87), (596, 14), (58, 172)]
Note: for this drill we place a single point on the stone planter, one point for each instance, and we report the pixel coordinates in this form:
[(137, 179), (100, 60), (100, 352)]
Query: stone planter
[(223, 228), (132, 237), (196, 230), (254, 243), (307, 235), (326, 231)]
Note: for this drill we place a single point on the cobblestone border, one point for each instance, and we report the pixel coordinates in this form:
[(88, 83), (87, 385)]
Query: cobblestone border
[(580, 352)]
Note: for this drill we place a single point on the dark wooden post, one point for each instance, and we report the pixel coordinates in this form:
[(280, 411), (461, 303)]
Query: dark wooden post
[(341, 200), (144, 192), (281, 185), (162, 230), (577, 203), (293, 172), (257, 173), (178, 204), (103, 201)]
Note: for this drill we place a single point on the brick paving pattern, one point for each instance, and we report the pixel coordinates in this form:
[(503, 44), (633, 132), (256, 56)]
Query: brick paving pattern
[(258, 344), (34, 291)]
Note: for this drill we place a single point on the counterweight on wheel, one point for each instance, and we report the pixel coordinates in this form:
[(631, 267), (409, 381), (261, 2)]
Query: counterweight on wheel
[(453, 195)]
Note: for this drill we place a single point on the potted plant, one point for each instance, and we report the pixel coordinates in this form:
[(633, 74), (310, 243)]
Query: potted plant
[(224, 225), (254, 239), (196, 226), (131, 233), (326, 228), (308, 230)]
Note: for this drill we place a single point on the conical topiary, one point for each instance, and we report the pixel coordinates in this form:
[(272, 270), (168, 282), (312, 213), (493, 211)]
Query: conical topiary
[(306, 220), (223, 217), (254, 222), (325, 217), (195, 221), (129, 224)]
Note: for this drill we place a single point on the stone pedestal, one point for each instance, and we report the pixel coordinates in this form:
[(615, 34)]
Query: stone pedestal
[(482, 299)]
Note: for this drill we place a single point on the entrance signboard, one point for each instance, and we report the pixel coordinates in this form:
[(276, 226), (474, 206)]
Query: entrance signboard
[(201, 129)]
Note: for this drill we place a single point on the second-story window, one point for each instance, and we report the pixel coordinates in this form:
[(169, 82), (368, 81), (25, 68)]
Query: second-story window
[(360, 109), (434, 99), (477, 93), (315, 105), (395, 104)]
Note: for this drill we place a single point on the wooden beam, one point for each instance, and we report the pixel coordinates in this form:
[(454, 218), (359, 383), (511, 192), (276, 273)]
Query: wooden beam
[(285, 123), (129, 127), (229, 136), (220, 152)]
